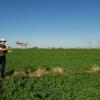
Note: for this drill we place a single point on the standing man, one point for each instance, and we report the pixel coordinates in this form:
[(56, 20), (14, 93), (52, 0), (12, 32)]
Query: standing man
[(3, 51)]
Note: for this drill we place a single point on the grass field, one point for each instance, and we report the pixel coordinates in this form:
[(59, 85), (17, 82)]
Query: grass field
[(78, 81)]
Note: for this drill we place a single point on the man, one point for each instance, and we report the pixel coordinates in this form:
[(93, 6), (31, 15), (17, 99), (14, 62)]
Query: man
[(3, 51)]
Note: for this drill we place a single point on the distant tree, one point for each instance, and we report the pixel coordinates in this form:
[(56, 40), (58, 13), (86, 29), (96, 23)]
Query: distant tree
[(53, 48), (35, 47)]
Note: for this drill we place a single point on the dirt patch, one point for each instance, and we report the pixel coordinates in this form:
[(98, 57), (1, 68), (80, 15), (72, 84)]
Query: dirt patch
[(18, 73), (38, 73), (95, 69), (57, 70)]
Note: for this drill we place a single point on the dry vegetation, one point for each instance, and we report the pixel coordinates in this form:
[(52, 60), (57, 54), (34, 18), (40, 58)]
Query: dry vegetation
[(38, 73), (95, 69)]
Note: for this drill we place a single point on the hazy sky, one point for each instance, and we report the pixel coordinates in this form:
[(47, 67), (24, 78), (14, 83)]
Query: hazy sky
[(51, 23)]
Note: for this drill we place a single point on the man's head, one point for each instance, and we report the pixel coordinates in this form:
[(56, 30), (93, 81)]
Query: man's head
[(2, 41)]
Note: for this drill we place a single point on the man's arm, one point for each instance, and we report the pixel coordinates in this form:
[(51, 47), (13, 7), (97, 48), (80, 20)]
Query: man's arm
[(3, 49)]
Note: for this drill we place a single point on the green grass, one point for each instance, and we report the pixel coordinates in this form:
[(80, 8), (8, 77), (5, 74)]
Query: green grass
[(66, 58), (75, 84)]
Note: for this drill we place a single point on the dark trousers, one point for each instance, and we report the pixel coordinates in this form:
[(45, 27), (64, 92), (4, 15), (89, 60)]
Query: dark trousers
[(2, 65)]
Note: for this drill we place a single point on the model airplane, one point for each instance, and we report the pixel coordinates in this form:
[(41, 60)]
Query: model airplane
[(22, 44)]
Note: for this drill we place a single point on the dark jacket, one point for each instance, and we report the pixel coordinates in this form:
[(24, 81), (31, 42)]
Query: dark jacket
[(2, 53)]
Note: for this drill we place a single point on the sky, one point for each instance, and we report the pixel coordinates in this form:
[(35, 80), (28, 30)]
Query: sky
[(51, 23)]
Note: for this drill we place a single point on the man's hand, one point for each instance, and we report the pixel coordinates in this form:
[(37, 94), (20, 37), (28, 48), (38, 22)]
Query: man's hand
[(4, 49), (9, 50)]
